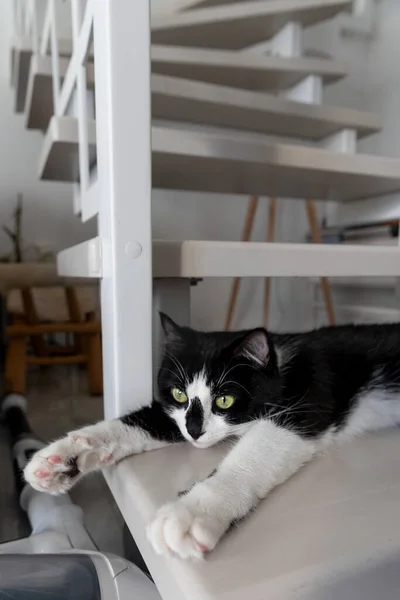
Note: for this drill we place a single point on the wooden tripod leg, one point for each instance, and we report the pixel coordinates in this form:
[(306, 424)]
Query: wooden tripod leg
[(316, 237), (270, 238), (247, 229)]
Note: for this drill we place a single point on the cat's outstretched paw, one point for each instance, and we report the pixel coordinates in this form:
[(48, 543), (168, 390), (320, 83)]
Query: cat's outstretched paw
[(184, 529), (57, 467)]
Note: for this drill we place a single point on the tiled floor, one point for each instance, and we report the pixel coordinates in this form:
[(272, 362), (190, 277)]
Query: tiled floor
[(58, 402)]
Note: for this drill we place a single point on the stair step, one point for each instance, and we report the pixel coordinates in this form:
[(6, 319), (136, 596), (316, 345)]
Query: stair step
[(240, 24), (199, 259), (21, 52), (182, 5), (59, 160), (203, 103), (39, 94), (182, 158), (21, 55), (242, 70)]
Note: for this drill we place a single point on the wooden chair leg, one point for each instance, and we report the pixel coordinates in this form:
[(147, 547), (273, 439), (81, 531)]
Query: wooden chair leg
[(270, 239), (75, 316), (38, 341), (247, 229), (15, 364), (316, 237), (94, 364)]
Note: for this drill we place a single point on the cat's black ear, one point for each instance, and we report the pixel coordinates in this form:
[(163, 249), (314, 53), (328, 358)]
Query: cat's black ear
[(171, 330), (255, 347)]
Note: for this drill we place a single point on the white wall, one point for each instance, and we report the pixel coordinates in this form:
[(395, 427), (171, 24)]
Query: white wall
[(48, 218)]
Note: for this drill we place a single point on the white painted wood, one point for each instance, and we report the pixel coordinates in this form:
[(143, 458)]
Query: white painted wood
[(254, 259), (178, 99), (200, 259), (285, 540), (204, 103), (341, 141), (241, 69), (82, 260), (309, 90), (78, 58), (241, 24), (55, 55), (180, 159), (122, 46)]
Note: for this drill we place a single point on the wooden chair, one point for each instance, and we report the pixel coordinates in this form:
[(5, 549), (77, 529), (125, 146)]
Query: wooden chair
[(27, 329)]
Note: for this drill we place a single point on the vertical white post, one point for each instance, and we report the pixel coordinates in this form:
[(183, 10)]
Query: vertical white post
[(55, 57), (122, 72)]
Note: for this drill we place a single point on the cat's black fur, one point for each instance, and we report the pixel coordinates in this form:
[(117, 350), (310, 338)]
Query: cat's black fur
[(309, 382)]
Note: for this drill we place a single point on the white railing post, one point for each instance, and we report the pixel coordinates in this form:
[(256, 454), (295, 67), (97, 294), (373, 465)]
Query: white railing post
[(122, 73)]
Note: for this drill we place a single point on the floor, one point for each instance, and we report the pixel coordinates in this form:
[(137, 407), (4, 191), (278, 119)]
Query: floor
[(58, 402)]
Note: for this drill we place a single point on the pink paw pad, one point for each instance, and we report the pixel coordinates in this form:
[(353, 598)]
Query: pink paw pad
[(42, 473), (107, 459), (202, 547), (54, 460)]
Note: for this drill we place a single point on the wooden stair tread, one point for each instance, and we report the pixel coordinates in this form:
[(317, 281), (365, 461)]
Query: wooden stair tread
[(204, 103), (205, 258), (240, 24), (183, 100), (181, 158), (242, 70)]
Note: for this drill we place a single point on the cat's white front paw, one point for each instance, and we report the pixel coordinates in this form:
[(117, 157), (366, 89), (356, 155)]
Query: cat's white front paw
[(57, 467), (184, 529)]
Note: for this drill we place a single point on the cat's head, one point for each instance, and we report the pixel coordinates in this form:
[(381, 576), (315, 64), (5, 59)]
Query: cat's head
[(215, 385)]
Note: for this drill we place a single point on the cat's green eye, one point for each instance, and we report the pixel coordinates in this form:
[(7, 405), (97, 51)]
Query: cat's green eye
[(178, 395), (225, 402)]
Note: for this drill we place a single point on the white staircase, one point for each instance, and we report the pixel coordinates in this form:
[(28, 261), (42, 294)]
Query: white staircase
[(237, 109)]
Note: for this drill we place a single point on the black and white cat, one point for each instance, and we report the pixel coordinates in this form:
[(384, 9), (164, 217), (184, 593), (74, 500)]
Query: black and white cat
[(284, 398)]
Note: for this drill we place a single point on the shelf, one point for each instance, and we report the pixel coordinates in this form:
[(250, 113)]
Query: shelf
[(240, 24), (252, 259), (39, 94), (326, 533), (204, 103), (242, 70), (200, 259), (181, 159)]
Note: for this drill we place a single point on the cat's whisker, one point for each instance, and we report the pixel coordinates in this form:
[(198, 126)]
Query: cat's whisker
[(179, 366)]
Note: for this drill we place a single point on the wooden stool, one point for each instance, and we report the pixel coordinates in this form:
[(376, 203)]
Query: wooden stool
[(27, 327)]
